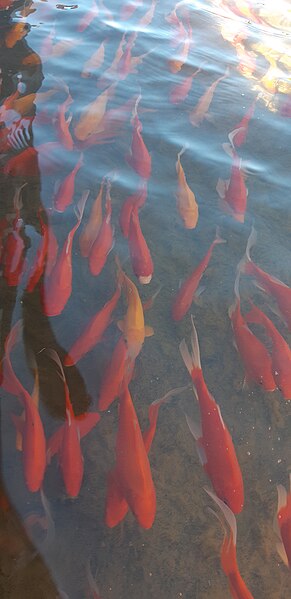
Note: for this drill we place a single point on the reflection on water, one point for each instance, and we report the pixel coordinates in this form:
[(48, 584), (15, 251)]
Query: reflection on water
[(134, 140)]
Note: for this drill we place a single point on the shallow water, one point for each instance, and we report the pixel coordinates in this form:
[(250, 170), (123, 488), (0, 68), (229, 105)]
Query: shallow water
[(179, 555)]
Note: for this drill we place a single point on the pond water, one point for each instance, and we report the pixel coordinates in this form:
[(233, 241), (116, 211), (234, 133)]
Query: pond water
[(139, 99)]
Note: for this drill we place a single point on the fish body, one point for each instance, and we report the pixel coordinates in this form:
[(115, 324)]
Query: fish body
[(214, 442), (234, 193), (88, 17), (186, 201), (63, 124), (92, 227), (237, 136), (139, 158), (65, 193), (186, 293), (104, 240), (281, 352), (180, 91), (93, 332), (135, 200), (95, 61), (31, 429), (113, 376), (284, 524), (199, 112), (132, 464), (92, 115), (140, 256), (175, 64)]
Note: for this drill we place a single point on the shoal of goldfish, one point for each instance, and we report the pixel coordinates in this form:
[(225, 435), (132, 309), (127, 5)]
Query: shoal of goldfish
[(50, 275)]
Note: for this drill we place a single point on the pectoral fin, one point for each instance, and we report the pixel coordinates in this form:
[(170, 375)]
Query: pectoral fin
[(148, 331)]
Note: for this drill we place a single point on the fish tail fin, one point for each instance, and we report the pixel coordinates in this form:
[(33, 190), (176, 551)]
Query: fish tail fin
[(182, 151), (17, 201), (250, 243), (218, 238), (191, 361), (228, 548), (254, 315), (79, 210), (56, 358)]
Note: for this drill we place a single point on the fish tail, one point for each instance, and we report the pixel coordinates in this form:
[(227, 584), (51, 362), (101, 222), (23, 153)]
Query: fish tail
[(218, 238), (228, 549), (79, 210), (56, 358), (251, 242), (191, 361), (254, 315)]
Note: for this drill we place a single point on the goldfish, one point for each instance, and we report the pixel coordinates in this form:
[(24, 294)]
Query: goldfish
[(133, 470), (103, 243), (95, 61), (110, 126), (33, 438), (214, 443), (64, 195), (255, 357), (124, 65), (148, 15), (113, 376), (14, 248), (237, 586), (62, 48), (62, 123), (140, 255), (189, 288), (175, 64), (199, 112), (186, 201), (180, 91), (92, 115), (88, 17), (66, 440), (57, 286), (110, 74), (138, 157), (93, 332), (179, 33), (237, 136), (91, 230), (233, 193), (116, 506), (267, 283), (132, 325), (284, 524), (38, 266), (135, 200), (280, 354)]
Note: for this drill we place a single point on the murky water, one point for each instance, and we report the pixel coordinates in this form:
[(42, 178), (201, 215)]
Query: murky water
[(45, 49)]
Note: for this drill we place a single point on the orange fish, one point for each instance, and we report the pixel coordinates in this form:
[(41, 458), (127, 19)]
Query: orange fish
[(133, 326), (63, 123), (281, 352), (138, 157), (180, 91), (114, 375), (269, 284), (237, 136), (284, 524), (93, 113), (31, 429), (190, 288), (57, 286), (103, 243), (93, 225), (136, 200), (133, 470), (66, 440), (140, 255), (65, 192), (186, 201), (214, 443), (233, 193), (237, 586), (93, 332), (256, 359), (95, 61), (199, 112), (177, 63), (37, 267)]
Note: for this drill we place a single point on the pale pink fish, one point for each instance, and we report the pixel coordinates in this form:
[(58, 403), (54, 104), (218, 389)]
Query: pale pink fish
[(129, 8), (109, 75), (180, 91), (95, 61), (88, 17), (175, 64), (199, 112), (148, 16)]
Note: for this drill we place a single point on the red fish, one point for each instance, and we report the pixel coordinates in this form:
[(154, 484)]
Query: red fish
[(94, 330), (237, 586), (13, 252), (139, 158), (140, 256), (37, 267), (31, 429), (65, 192), (189, 288), (93, 225), (88, 17), (200, 111), (132, 469), (63, 123), (256, 359), (66, 440), (57, 286), (113, 376), (281, 352), (124, 66), (233, 193), (284, 524), (237, 136), (180, 91), (24, 164), (271, 285), (116, 505), (136, 200), (214, 442), (103, 243)]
